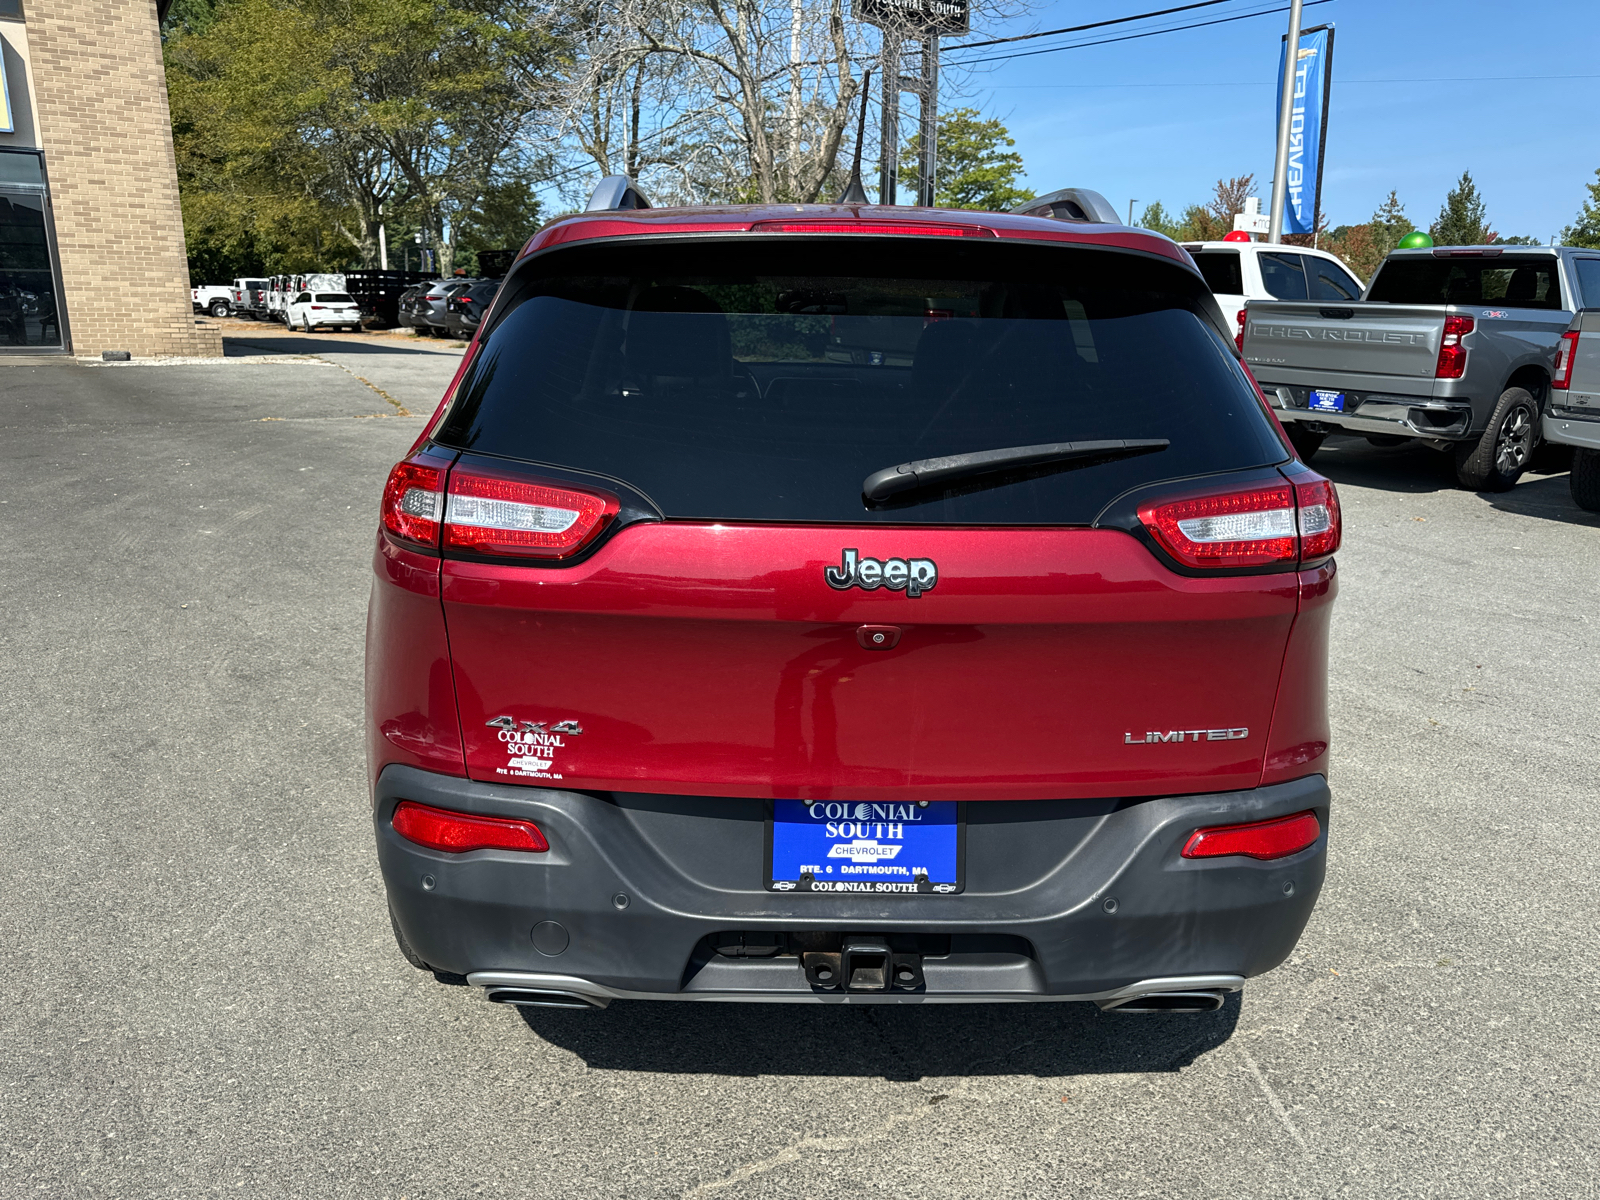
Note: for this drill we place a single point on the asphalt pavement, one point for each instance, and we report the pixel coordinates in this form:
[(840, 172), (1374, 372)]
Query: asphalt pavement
[(200, 994)]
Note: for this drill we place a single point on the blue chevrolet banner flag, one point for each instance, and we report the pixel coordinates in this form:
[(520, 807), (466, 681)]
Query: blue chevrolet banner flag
[(1308, 127)]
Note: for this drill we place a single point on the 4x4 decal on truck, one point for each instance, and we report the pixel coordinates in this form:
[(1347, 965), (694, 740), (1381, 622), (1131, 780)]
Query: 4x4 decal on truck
[(912, 576)]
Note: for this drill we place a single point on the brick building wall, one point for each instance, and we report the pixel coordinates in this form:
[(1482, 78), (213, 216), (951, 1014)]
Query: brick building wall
[(101, 103)]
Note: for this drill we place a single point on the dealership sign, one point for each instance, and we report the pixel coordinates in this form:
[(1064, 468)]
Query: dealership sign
[(1308, 127), (916, 16)]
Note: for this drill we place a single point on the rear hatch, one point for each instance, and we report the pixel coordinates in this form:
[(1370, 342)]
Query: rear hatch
[(731, 615)]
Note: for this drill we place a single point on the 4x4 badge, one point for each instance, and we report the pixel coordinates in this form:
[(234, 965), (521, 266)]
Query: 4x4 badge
[(913, 576)]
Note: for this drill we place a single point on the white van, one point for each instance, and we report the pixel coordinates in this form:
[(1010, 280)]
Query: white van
[(1241, 271)]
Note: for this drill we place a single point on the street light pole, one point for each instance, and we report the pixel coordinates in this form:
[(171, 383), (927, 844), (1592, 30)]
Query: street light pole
[(928, 138), (1131, 203), (1280, 169), (889, 134)]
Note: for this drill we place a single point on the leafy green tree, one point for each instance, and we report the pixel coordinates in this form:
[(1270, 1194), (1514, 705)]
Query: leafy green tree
[(1155, 217), (977, 168), (1464, 219), (1585, 231)]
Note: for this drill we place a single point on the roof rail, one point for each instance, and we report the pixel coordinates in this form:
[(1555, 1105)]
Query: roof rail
[(617, 192), (1072, 204)]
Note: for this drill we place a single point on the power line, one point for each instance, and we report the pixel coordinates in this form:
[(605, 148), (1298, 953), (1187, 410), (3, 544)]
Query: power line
[(994, 87), (1023, 37), (1128, 37)]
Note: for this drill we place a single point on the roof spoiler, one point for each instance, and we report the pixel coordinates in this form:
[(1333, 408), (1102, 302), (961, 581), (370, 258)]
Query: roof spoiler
[(1072, 204), (617, 192)]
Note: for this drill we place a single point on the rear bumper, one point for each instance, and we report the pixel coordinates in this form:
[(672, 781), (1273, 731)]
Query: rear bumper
[(1572, 431), (1384, 414), (1078, 900)]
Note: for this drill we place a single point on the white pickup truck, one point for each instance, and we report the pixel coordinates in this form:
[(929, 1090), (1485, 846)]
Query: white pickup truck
[(213, 298), (1573, 418)]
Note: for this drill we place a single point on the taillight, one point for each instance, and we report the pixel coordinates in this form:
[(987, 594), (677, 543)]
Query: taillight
[(1281, 524), (1321, 527), (1252, 528), (457, 833), (413, 501), (1259, 839), (1452, 354), (1239, 337), (317, 307), (1566, 352), (497, 514)]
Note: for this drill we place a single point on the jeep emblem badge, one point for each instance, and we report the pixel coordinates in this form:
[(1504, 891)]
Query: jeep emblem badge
[(912, 576)]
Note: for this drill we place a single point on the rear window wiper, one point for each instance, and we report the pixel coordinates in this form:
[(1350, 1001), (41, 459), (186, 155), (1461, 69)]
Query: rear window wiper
[(931, 472)]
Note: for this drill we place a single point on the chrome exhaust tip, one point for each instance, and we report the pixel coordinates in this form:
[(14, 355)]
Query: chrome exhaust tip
[(541, 998), (1166, 1002)]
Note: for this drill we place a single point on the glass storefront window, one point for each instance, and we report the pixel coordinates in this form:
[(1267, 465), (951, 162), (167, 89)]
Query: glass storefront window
[(30, 316)]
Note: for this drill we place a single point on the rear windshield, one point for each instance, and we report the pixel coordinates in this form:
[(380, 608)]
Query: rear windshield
[(1221, 270), (764, 380), (1514, 282), (1588, 270), (333, 298)]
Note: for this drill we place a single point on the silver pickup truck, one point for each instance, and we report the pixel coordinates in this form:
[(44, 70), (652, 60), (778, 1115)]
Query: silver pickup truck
[(1573, 417), (1453, 346)]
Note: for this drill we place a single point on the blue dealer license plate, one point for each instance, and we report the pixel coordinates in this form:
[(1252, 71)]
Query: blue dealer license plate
[(899, 848), (1327, 401)]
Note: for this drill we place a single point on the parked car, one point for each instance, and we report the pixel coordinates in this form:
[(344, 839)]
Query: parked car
[(216, 299), (379, 293), (312, 311), (464, 310), (1238, 272), (250, 298), (424, 311), (702, 664), (1573, 418), (1452, 346)]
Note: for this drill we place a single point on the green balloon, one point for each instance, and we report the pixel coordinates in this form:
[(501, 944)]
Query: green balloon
[(1415, 240)]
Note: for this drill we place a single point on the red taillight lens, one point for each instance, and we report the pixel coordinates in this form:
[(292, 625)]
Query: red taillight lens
[(1566, 353), (916, 228), (496, 514), (1321, 527), (1452, 354), (1239, 337), (317, 307), (1253, 528), (456, 833), (1259, 839), (413, 502)]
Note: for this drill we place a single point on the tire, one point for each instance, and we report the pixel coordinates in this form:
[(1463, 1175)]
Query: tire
[(1305, 443), (1585, 479), (1497, 460), (219, 308), (406, 951)]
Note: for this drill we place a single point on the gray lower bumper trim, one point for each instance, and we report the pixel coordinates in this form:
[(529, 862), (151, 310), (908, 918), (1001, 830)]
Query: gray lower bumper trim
[(604, 995)]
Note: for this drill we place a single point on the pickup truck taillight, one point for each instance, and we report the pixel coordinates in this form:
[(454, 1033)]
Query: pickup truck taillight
[(1238, 338), (1452, 354), (1282, 524), (1566, 352)]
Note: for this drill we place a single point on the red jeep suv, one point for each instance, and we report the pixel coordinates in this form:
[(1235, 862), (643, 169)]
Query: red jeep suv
[(854, 604)]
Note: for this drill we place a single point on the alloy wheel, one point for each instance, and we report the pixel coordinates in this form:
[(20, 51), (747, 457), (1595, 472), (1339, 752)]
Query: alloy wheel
[(1514, 443)]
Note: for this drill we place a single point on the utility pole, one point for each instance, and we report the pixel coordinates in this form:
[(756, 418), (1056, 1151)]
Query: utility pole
[(928, 136), (889, 133), (1280, 169)]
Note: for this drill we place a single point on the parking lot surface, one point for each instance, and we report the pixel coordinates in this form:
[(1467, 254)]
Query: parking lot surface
[(200, 994)]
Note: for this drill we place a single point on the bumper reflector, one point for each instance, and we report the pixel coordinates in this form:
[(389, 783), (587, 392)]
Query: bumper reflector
[(456, 833), (1277, 838)]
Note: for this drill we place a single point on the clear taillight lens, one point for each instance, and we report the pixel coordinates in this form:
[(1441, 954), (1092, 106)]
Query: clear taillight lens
[(1452, 362), (413, 502), (494, 514), (1566, 353)]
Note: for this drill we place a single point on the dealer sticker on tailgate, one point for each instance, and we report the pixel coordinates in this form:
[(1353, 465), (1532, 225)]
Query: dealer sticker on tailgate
[(853, 846), (1327, 401)]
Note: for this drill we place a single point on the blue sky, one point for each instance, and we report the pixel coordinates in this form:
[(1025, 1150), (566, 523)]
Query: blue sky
[(1162, 118)]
